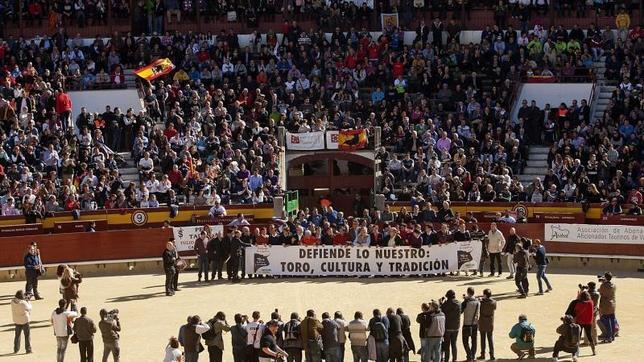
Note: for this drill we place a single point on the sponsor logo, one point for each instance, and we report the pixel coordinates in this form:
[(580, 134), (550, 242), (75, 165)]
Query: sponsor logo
[(139, 218), (260, 261), (556, 232), (295, 139), (521, 210)]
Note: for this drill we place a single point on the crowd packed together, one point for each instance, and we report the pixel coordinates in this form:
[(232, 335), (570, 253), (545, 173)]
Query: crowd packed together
[(208, 132)]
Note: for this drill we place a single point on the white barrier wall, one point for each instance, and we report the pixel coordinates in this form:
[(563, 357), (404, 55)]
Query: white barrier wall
[(553, 93), (96, 100)]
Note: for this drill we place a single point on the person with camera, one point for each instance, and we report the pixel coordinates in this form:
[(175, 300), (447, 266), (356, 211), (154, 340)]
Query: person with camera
[(471, 309), (269, 350), (486, 322), (192, 338), (495, 245), (452, 309), (541, 259), (60, 320), (523, 334), (310, 335), (358, 329), (292, 343), (172, 351), (33, 270), (432, 329), (170, 258), (238, 338), (110, 326), (584, 314), (214, 336), (607, 306), (522, 261), (254, 330), (379, 330), (21, 313), (594, 296), (84, 329), (569, 334)]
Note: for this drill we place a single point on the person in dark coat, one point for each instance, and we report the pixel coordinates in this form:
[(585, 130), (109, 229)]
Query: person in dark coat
[(169, 259), (236, 252), (397, 344), (215, 253), (486, 322), (201, 250), (33, 267), (406, 332), (452, 309)]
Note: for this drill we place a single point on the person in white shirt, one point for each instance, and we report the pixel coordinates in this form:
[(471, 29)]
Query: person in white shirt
[(21, 313), (217, 210), (60, 320), (146, 166), (172, 351), (254, 332), (495, 246), (342, 329), (358, 329)]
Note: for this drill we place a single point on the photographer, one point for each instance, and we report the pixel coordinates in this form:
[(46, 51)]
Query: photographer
[(607, 307), (270, 351), (292, 342), (214, 337), (109, 327), (239, 337), (471, 309), (569, 334)]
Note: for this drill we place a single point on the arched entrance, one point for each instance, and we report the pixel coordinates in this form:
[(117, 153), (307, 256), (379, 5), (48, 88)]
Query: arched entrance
[(338, 176)]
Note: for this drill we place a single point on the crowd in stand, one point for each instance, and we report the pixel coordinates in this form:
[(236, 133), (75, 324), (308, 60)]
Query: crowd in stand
[(210, 128)]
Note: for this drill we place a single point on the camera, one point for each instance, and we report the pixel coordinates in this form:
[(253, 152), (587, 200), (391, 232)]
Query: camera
[(583, 287), (601, 278), (112, 315)]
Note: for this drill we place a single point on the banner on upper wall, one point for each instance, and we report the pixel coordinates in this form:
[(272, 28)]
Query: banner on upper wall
[(357, 261), (332, 140), (305, 141), (585, 233), (350, 140), (185, 236)]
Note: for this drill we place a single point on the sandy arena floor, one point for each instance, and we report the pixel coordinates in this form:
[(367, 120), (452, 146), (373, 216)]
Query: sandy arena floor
[(149, 318)]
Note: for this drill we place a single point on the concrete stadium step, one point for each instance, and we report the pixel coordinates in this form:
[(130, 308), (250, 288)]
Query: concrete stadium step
[(537, 157), (535, 171), (603, 101), (527, 179), (537, 163), (129, 171), (539, 149)]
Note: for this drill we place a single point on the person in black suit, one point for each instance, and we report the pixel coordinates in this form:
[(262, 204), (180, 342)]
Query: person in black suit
[(170, 258), (215, 253)]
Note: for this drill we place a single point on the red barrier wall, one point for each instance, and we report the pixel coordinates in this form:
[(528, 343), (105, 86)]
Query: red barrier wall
[(149, 243)]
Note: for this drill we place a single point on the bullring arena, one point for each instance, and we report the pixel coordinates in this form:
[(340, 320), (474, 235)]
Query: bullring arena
[(338, 156)]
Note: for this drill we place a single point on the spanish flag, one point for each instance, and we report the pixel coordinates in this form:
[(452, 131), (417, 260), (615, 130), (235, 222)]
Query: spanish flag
[(156, 69), (349, 140)]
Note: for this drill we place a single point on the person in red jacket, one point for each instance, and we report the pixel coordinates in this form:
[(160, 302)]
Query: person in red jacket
[(584, 314), (340, 238), (64, 108)]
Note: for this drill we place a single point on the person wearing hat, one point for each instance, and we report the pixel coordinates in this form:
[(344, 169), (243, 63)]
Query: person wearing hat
[(569, 334), (269, 350), (523, 334)]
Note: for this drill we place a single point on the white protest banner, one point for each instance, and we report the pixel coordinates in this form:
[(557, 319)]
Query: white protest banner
[(602, 234), (185, 236), (355, 261), (332, 140), (305, 141)]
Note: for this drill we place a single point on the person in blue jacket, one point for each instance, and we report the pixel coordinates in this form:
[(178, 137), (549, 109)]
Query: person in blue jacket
[(33, 269), (523, 334)]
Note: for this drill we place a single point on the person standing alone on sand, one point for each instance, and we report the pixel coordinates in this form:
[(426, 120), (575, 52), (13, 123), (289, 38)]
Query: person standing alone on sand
[(21, 313)]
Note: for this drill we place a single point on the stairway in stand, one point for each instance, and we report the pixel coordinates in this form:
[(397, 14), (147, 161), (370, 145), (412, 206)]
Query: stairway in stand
[(536, 164)]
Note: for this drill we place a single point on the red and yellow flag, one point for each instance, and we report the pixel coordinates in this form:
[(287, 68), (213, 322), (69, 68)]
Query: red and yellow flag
[(352, 139), (156, 69)]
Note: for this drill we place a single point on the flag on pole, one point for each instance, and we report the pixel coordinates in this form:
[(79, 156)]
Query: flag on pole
[(156, 69)]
